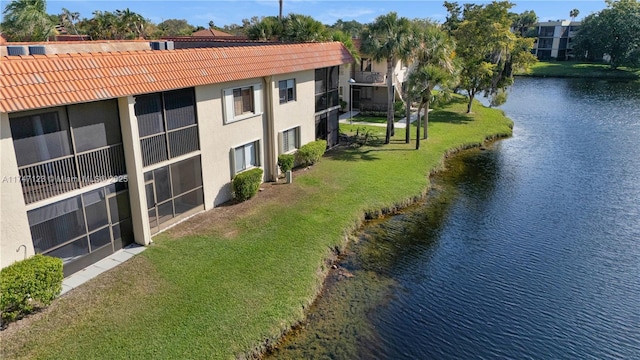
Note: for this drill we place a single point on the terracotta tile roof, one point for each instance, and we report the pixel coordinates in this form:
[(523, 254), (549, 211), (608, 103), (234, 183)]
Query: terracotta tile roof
[(38, 81)]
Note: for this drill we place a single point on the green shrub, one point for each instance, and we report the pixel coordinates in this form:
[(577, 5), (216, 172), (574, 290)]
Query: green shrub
[(29, 284), (286, 161), (246, 184), (399, 108), (310, 153)]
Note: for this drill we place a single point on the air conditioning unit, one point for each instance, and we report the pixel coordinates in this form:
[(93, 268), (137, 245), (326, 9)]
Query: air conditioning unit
[(15, 50), (37, 50)]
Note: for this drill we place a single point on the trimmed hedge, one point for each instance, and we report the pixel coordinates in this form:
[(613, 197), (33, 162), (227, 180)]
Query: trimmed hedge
[(310, 153), (29, 284), (246, 184), (286, 162)]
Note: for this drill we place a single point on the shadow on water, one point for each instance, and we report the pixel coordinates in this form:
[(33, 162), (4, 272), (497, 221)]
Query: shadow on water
[(369, 272)]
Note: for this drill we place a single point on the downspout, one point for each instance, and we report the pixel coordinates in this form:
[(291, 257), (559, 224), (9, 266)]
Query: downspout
[(271, 170)]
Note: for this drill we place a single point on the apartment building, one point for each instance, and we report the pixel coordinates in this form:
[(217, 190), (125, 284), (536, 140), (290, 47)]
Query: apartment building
[(103, 144), (554, 40)]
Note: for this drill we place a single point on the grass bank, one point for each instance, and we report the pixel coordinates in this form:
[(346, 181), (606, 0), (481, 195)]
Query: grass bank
[(226, 282), (573, 69)]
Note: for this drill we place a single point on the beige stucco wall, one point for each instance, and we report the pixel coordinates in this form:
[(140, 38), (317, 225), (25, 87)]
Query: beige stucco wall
[(14, 225), (300, 112), (217, 139)]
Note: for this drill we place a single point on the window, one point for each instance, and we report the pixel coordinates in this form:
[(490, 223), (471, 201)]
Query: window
[(289, 140), (40, 137), (167, 125), (242, 103), (287, 90), (246, 156), (173, 190)]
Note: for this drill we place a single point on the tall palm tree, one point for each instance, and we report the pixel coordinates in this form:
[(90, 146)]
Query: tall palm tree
[(574, 14), (69, 19), (387, 39), (435, 67), (280, 13), (27, 20)]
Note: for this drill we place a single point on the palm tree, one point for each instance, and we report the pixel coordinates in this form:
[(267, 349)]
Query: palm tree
[(435, 67), (303, 28), (280, 13), (69, 19), (387, 39), (27, 20), (574, 14)]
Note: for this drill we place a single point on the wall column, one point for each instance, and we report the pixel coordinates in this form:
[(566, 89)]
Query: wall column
[(135, 172), (15, 234)]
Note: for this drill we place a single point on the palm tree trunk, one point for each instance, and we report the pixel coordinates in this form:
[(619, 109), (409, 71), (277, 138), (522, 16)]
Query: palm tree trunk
[(426, 119), (472, 95), (389, 101), (418, 126), (407, 137)]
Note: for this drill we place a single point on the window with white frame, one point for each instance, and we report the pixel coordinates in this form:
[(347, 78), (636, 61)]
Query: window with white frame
[(287, 90), (290, 140), (242, 102), (246, 156)]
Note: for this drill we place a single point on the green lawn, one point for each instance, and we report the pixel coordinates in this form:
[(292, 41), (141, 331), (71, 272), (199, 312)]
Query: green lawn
[(245, 279), (370, 119), (580, 70)]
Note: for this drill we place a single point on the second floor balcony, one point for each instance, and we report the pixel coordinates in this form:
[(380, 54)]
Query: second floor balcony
[(370, 77)]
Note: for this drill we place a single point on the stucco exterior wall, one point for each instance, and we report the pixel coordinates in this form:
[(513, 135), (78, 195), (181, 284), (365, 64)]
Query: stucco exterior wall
[(15, 235), (298, 113), (218, 139)]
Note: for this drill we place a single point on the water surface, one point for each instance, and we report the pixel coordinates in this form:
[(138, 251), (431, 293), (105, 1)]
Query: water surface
[(528, 250)]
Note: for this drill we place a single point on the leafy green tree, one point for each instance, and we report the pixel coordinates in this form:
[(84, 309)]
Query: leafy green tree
[(267, 28), (352, 27), (118, 25), (489, 52), (347, 41), (614, 31), (388, 39), (453, 17), (175, 27), (303, 28), (435, 66), (522, 22), (27, 20)]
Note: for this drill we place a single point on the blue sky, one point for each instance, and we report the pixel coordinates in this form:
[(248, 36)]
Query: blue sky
[(200, 12)]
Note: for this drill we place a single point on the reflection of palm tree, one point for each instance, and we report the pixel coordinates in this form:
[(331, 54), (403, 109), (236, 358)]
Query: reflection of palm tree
[(387, 40)]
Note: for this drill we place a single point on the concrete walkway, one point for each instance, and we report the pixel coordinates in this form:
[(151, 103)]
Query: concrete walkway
[(76, 279), (400, 124)]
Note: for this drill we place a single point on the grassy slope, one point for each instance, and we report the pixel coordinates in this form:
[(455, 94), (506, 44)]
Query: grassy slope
[(580, 70), (224, 292)]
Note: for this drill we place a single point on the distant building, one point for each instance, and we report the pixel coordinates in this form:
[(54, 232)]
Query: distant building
[(554, 40)]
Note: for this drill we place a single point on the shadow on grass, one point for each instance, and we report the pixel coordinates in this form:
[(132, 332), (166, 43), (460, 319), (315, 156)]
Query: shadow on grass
[(451, 117), (348, 153)]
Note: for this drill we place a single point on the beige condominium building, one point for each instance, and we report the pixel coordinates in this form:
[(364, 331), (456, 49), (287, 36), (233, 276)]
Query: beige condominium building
[(554, 40), (104, 144)]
